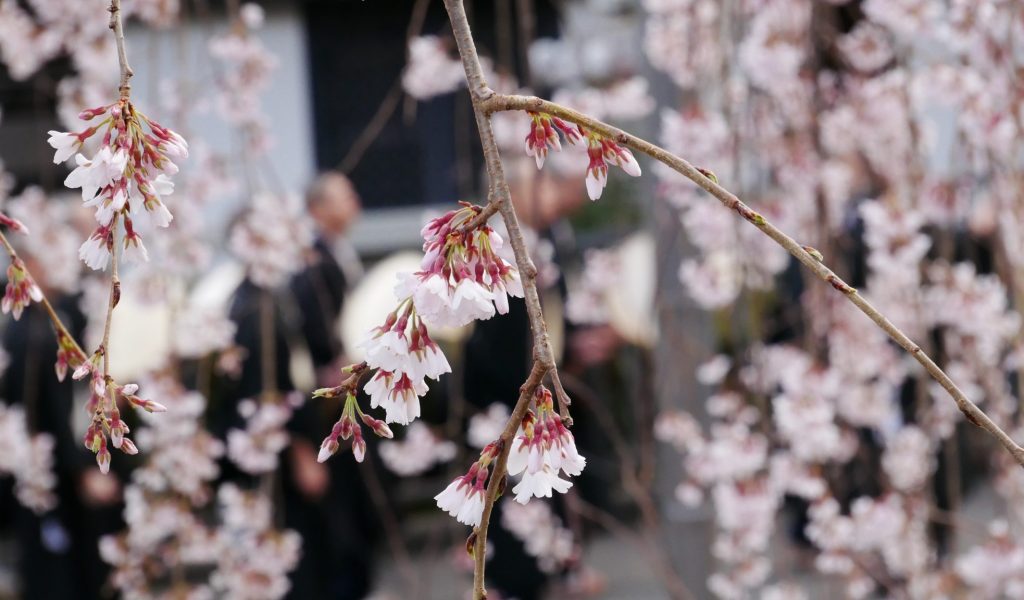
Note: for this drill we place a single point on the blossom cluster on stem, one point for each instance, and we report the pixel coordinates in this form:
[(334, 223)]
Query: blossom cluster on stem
[(348, 425), (601, 151), (464, 496), (543, 449), (125, 177), (465, 275)]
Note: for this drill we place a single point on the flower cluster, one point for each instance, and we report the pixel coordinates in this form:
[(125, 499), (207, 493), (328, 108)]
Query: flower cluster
[(21, 289), (272, 237), (544, 448), (126, 177), (245, 68), (29, 458), (54, 238), (254, 558), (255, 448), (68, 354), (601, 151), (464, 275), (542, 135), (347, 426), (172, 526), (464, 496), (404, 354), (182, 458), (542, 533), (431, 71), (417, 453), (106, 416)]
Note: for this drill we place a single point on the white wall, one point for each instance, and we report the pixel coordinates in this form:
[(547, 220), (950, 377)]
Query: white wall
[(160, 58)]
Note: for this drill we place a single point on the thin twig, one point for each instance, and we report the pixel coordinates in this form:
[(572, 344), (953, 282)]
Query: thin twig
[(373, 128), (112, 300), (122, 55), (563, 398), (390, 525), (482, 217), (390, 102), (493, 102)]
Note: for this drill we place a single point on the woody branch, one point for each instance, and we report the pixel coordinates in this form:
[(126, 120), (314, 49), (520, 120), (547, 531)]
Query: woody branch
[(500, 201)]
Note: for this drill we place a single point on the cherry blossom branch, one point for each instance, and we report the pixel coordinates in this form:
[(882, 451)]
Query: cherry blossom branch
[(122, 55), (493, 102), (124, 88), (496, 485), (58, 326), (500, 201)]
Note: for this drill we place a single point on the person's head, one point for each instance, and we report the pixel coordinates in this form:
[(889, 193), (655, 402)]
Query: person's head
[(541, 197), (333, 203)]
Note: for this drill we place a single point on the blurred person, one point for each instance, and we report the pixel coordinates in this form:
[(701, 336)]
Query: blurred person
[(59, 549), (332, 267), (499, 350), (331, 509)]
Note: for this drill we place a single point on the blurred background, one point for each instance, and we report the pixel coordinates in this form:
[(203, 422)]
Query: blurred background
[(748, 434)]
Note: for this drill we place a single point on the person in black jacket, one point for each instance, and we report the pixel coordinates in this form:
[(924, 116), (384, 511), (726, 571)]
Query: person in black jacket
[(326, 503), (331, 266)]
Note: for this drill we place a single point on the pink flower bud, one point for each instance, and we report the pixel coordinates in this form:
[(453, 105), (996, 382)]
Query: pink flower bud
[(82, 370), (155, 407), (379, 427), (90, 439), (359, 447), (13, 224), (327, 449), (103, 457), (128, 447), (348, 426), (116, 435), (91, 113)]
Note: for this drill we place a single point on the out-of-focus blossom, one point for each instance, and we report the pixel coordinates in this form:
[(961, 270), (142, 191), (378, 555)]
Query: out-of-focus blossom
[(866, 47), (419, 451), (485, 427), (542, 533), (255, 449), (431, 71), (272, 237), (29, 459)]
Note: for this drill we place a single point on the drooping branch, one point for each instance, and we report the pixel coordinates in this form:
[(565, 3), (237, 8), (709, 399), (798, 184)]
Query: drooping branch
[(58, 326), (496, 485), (497, 102), (114, 297), (500, 201)]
